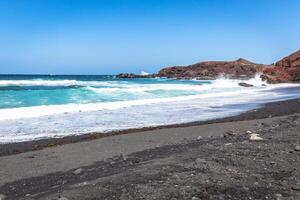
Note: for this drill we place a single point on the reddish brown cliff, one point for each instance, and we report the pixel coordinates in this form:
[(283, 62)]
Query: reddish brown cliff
[(240, 68), (285, 70)]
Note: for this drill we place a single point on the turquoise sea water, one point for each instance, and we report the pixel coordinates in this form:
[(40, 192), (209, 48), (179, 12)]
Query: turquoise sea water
[(36, 90), (41, 106)]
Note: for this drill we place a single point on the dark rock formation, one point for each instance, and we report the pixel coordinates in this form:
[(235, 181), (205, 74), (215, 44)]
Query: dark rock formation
[(130, 75), (285, 70), (245, 84), (240, 68)]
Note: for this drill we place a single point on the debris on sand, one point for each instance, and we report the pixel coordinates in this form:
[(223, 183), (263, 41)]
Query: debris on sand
[(255, 137)]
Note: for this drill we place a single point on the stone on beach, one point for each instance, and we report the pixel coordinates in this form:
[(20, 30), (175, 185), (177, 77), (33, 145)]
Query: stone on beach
[(199, 137), (230, 133), (296, 187), (255, 137), (77, 171), (297, 148), (2, 197)]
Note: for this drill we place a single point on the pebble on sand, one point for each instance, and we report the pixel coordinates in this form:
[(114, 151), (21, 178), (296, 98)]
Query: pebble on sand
[(229, 134), (255, 137), (199, 137), (77, 171), (297, 148), (296, 187), (2, 197)]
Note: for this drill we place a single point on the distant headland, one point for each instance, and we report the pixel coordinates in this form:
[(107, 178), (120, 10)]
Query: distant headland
[(283, 71)]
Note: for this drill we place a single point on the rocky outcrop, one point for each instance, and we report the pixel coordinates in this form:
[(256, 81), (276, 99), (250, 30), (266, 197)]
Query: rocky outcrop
[(240, 68), (130, 75), (285, 70), (245, 84)]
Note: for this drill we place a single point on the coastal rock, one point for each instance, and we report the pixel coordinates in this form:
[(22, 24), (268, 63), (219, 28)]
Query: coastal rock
[(285, 70), (245, 84), (131, 75), (240, 68)]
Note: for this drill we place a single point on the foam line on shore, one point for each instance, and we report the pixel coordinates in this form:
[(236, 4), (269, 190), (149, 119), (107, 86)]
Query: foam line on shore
[(38, 111)]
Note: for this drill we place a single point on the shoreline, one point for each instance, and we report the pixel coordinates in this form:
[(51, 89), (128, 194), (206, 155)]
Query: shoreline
[(267, 110), (208, 161)]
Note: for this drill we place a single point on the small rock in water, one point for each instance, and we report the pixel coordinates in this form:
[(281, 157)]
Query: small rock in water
[(2, 197), (195, 198), (245, 84), (199, 137), (297, 148), (255, 137), (77, 171)]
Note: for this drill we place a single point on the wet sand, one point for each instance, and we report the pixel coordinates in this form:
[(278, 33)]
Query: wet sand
[(201, 160)]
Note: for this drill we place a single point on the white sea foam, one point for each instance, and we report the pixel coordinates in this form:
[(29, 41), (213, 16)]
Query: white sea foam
[(40, 82), (217, 89), (39, 111), (221, 83)]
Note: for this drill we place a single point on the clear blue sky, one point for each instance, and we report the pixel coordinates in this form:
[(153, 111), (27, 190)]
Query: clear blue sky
[(112, 36)]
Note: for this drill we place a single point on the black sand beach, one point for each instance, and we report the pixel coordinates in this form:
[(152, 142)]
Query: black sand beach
[(202, 160)]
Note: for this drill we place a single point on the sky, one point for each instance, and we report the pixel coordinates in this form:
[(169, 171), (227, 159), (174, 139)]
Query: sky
[(114, 36)]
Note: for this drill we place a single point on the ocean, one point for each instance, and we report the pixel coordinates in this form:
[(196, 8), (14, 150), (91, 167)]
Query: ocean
[(45, 106)]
